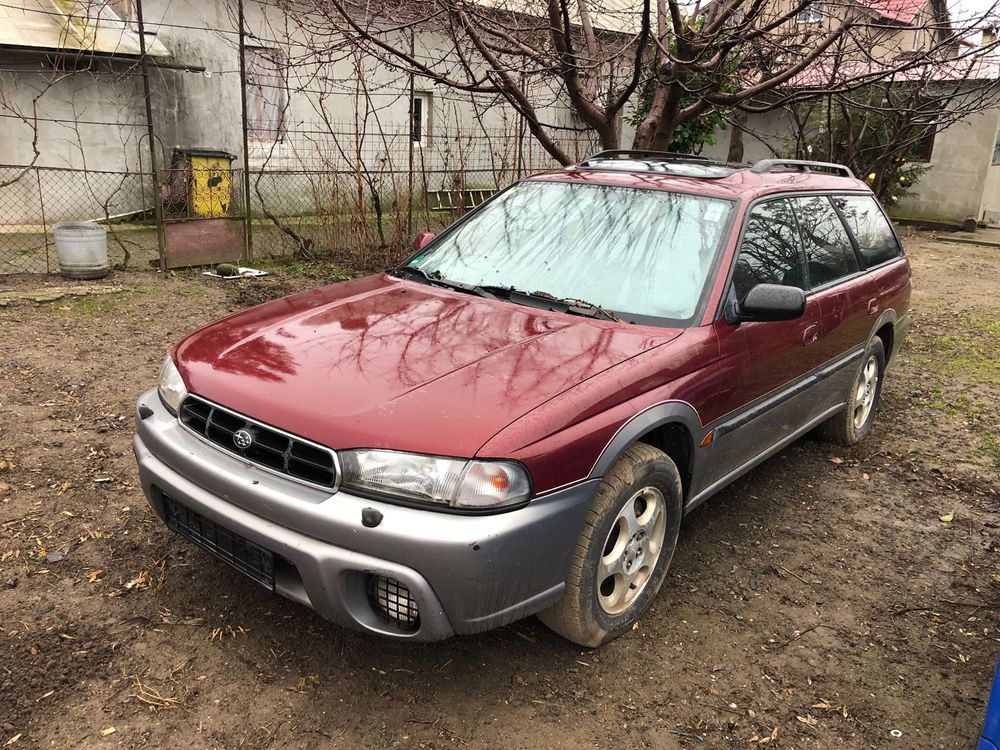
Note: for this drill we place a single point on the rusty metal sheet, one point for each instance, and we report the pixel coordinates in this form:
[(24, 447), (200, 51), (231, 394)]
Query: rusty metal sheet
[(203, 241)]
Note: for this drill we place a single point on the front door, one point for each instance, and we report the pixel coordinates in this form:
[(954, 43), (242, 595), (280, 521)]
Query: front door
[(765, 360)]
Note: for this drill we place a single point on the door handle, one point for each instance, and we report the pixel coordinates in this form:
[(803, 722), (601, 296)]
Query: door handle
[(810, 335), (872, 306)]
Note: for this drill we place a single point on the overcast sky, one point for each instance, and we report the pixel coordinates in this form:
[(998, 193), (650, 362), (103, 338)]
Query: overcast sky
[(965, 9)]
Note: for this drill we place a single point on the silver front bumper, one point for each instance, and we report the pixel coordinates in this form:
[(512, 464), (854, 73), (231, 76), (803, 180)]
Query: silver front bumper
[(468, 573)]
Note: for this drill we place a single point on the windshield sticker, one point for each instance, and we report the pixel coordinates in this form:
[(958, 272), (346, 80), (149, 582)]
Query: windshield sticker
[(713, 212)]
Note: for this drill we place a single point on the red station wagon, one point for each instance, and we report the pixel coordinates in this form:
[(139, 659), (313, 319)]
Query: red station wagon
[(515, 420)]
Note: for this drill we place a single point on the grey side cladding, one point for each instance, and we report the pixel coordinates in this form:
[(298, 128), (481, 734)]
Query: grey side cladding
[(669, 412)]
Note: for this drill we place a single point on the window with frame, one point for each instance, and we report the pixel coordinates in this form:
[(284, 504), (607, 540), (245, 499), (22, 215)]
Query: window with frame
[(420, 106), (922, 147), (770, 252), (828, 250), (812, 13), (870, 227), (267, 94)]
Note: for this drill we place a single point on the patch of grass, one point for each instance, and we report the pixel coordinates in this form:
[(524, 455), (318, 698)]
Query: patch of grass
[(973, 351), (990, 444), (934, 398), (93, 306), (314, 269)]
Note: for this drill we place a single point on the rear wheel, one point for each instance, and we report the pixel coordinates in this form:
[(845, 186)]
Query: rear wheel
[(624, 550), (855, 421)]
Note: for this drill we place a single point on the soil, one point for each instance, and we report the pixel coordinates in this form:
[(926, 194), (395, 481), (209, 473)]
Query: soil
[(833, 598)]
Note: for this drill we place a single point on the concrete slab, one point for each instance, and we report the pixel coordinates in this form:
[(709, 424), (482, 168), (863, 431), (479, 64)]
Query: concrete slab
[(53, 293), (984, 237)]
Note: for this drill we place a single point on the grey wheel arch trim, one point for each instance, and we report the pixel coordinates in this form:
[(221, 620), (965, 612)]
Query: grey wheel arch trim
[(658, 415)]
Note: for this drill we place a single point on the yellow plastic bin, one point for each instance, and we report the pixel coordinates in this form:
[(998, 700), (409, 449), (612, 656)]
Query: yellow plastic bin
[(210, 184)]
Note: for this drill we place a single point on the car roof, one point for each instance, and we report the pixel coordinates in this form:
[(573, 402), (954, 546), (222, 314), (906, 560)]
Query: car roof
[(691, 174)]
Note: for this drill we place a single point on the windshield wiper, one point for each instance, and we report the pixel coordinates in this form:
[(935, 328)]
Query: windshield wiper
[(436, 279), (569, 305)]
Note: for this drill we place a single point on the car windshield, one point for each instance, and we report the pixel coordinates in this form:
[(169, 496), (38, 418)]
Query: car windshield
[(635, 252)]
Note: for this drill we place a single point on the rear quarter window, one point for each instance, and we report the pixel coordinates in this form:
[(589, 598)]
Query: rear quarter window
[(870, 227)]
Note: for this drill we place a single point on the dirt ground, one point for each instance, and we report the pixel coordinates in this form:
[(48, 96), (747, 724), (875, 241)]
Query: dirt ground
[(831, 599)]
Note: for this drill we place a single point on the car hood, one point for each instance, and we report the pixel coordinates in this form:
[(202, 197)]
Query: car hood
[(387, 363)]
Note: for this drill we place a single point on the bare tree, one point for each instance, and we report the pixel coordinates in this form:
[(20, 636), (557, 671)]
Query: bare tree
[(539, 56), (883, 130)]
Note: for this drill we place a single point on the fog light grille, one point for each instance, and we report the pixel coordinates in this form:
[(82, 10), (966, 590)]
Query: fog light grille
[(393, 602)]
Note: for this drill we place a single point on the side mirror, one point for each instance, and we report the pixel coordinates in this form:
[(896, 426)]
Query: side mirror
[(422, 239), (772, 302)]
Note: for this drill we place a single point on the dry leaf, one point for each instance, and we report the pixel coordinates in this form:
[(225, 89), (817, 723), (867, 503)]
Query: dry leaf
[(13, 739), (947, 518), (836, 460), (109, 730)]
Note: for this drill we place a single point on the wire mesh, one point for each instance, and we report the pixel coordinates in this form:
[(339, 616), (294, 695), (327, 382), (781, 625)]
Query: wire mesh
[(324, 191), (34, 199)]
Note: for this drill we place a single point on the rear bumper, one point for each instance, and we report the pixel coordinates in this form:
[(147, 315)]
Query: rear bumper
[(468, 573)]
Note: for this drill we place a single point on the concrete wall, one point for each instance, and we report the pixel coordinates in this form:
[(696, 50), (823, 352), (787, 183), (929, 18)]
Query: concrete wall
[(338, 108), (955, 187), (765, 136)]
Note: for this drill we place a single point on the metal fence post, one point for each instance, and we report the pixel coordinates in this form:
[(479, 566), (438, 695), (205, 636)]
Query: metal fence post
[(45, 224), (247, 222), (157, 207)]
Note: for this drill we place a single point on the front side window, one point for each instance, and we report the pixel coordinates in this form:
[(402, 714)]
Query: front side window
[(829, 254), (871, 229), (638, 253), (770, 252)]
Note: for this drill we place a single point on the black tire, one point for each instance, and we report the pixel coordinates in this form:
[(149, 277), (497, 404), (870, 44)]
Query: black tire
[(841, 427), (579, 615)]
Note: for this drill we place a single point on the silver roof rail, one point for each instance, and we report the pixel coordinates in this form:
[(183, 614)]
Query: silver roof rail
[(640, 155), (766, 165)]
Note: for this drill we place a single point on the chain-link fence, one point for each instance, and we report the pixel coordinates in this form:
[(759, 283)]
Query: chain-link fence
[(361, 203), (34, 199)]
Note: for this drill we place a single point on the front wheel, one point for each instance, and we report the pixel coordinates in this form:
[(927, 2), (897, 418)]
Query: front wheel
[(624, 550), (849, 426)]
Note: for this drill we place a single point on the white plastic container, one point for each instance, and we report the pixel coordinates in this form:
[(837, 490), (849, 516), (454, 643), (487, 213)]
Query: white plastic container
[(82, 247)]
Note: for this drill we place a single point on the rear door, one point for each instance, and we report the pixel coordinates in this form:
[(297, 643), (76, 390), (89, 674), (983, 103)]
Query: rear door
[(886, 284), (835, 278)]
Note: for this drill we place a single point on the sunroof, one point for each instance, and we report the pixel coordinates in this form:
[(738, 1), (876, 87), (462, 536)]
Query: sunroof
[(671, 166)]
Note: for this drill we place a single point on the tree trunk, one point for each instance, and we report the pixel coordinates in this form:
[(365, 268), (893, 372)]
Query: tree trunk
[(656, 131), (735, 154)]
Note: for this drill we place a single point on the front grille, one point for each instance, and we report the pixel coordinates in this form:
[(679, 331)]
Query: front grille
[(266, 446), (251, 560), (393, 602)]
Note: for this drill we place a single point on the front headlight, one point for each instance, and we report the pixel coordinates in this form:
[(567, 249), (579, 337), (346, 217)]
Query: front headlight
[(452, 482), (172, 390)]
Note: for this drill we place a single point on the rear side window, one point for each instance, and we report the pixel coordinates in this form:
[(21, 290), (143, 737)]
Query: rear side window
[(829, 254), (871, 229), (770, 252)]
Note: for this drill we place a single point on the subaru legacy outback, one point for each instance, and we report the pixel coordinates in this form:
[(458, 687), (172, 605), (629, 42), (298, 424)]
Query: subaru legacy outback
[(515, 420)]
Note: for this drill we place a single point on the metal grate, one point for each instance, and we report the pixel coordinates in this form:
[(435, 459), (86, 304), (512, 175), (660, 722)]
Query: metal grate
[(251, 560), (393, 601), (259, 443)]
